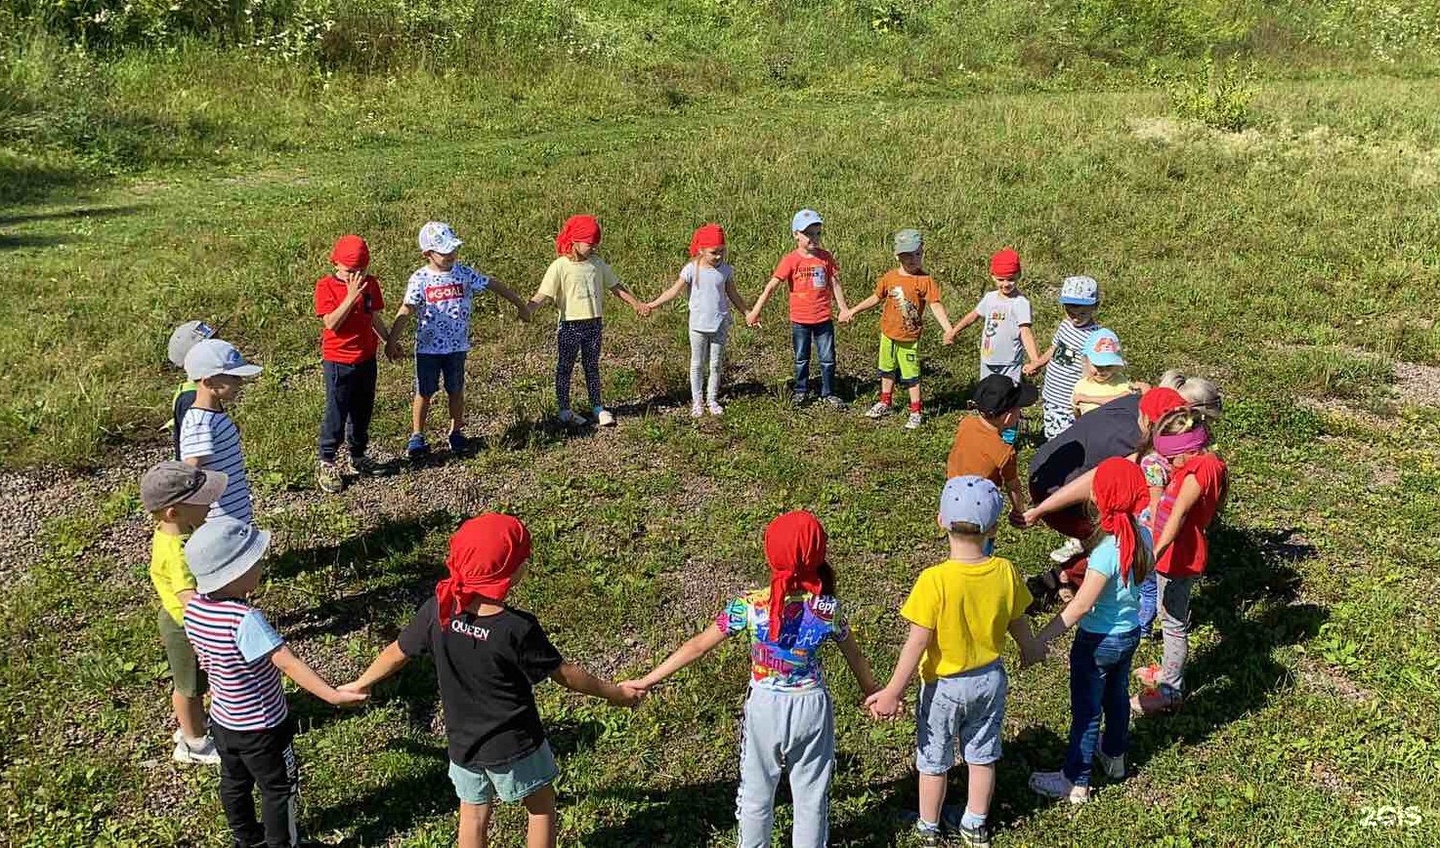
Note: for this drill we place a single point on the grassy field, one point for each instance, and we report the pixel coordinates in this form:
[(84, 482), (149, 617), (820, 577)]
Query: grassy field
[(1293, 263)]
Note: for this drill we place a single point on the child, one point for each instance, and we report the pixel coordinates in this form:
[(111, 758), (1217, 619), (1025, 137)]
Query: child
[(789, 716), (181, 340), (813, 280), (985, 442), (709, 280), (1168, 410), (1007, 337), (1063, 361), (905, 291), (178, 497), (1106, 607), (244, 658), (959, 612), (349, 304), (576, 281), (1199, 483), (441, 293), (488, 658), (1102, 382), (208, 438)]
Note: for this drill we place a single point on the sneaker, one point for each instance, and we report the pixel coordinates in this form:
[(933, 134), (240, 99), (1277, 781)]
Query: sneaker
[(417, 446), (834, 401), (927, 834), (1054, 784), (1071, 549), (570, 419), (363, 465), (715, 408), (328, 478), (798, 399), (1158, 701), (605, 419), (879, 410), (697, 411), (458, 442), (204, 755), (952, 819), (914, 421), (1111, 767)]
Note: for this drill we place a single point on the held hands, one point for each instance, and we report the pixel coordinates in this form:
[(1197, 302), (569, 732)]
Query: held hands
[(393, 351), (1031, 517), (1034, 653), (1017, 520), (1030, 368), (643, 309), (349, 695), (632, 692), (885, 704), (847, 315), (950, 335)]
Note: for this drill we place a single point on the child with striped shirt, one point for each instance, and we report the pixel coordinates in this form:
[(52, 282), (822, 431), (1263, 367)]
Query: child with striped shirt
[(1064, 362), (243, 657), (208, 438)]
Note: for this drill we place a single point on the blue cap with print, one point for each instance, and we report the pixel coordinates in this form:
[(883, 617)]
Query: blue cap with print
[(972, 500)]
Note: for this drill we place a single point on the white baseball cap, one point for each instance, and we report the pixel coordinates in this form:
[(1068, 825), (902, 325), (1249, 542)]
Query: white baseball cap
[(803, 219), (212, 357), (185, 337), (438, 236), (1079, 291)]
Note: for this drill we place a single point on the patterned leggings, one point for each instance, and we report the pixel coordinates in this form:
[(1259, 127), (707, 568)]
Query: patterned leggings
[(578, 338)]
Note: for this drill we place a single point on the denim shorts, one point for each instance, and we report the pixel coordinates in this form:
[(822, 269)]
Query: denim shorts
[(966, 708), (510, 782), (429, 367)]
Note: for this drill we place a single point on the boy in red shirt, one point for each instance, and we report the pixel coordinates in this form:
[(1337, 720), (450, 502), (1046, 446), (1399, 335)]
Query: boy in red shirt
[(349, 304), (813, 279)]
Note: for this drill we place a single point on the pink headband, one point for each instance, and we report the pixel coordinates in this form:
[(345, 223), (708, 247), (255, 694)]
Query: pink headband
[(1182, 443)]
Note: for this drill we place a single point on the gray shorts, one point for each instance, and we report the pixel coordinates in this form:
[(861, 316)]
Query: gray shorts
[(968, 708)]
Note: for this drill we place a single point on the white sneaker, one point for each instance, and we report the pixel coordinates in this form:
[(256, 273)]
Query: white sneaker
[(1054, 784), (715, 408), (1072, 548), (1112, 767), (204, 755), (879, 410), (569, 418), (914, 421), (697, 411), (605, 419)]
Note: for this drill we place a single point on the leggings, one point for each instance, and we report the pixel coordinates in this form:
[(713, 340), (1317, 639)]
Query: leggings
[(707, 347), (580, 338)]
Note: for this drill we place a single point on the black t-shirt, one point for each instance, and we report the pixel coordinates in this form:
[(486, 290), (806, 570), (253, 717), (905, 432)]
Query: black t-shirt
[(488, 666), (1107, 431)]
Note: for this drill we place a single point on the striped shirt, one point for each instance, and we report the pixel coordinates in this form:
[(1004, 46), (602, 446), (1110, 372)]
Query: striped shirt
[(212, 436), (233, 643), (1068, 364)]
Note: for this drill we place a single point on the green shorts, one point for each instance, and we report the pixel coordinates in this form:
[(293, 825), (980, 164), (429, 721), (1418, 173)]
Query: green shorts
[(184, 668), (901, 357), (511, 782)]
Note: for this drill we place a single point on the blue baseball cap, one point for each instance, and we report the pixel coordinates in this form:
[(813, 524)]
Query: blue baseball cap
[(1103, 349), (973, 500), (805, 218), (1079, 291)]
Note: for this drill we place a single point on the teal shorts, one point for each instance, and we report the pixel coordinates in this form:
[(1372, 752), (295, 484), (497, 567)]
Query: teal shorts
[(510, 782)]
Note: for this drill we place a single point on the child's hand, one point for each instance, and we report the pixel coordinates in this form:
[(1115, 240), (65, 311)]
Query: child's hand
[(950, 336), (884, 704), (1030, 368), (393, 351), (846, 316), (752, 319), (629, 696), (354, 283), (347, 698), (1033, 654)]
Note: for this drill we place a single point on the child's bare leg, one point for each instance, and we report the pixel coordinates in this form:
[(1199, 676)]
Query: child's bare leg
[(915, 395), (419, 411), (474, 825), (457, 410), (982, 787), (932, 797), (541, 827), (190, 713), (887, 386)]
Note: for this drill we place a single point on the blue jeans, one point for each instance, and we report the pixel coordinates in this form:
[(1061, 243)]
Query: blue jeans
[(823, 336), (1148, 603), (1099, 685)]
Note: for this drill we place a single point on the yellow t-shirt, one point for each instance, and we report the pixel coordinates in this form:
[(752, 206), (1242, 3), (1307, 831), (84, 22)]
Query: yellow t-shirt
[(969, 606), (169, 572), (577, 287), (1090, 388)]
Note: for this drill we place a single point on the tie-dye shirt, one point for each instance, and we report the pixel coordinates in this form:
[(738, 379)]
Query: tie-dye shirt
[(792, 663)]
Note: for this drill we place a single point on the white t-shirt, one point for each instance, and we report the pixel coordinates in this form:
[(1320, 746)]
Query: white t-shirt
[(212, 435), (1003, 316), (709, 307), (442, 302)]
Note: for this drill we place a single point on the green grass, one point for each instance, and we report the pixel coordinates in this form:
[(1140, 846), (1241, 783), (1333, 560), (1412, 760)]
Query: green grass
[(1293, 263)]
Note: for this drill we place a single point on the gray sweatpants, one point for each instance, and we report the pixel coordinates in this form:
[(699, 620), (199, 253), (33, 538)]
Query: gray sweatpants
[(1174, 597), (707, 348), (794, 731)]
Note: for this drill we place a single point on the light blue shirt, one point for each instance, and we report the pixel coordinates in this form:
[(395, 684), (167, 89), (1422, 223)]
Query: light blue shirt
[(1117, 610), (255, 638)]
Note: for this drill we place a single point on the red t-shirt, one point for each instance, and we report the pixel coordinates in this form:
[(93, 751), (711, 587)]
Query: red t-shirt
[(1187, 555), (811, 280), (354, 341)]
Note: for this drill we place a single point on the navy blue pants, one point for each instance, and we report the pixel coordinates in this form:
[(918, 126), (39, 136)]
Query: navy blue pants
[(349, 403)]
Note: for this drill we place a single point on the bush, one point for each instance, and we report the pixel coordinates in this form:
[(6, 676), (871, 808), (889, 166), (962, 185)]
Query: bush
[(1217, 94)]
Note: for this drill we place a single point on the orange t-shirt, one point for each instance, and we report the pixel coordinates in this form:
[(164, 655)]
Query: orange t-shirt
[(905, 299), (979, 450), (811, 280)]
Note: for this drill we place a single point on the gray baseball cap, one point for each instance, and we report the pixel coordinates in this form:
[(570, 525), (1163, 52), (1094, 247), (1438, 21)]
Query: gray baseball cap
[(184, 338), (973, 500), (908, 241), (213, 356), (222, 550), (170, 482)]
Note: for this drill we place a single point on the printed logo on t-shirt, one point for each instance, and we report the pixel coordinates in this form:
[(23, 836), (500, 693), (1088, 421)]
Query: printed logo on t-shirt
[(444, 292), (471, 630), (817, 277), (909, 312)]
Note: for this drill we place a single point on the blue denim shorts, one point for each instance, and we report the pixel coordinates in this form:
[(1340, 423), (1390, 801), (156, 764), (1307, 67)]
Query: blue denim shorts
[(966, 708), (429, 367), (511, 782)]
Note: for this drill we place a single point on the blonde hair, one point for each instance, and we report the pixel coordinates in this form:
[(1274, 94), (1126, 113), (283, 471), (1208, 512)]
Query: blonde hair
[(1203, 396)]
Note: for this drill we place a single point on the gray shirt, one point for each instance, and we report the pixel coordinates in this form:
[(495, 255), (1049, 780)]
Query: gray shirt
[(1003, 317), (709, 307)]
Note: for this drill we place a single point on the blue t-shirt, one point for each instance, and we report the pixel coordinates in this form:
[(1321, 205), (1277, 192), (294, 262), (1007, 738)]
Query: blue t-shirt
[(1117, 610)]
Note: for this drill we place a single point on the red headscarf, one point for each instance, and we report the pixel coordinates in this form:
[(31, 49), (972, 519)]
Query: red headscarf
[(795, 549), (710, 235), (352, 252), (1159, 402), (1120, 494), (484, 555), (577, 228), (1005, 263)]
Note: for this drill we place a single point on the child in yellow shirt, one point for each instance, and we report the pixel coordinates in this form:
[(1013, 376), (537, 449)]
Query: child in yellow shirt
[(1104, 375)]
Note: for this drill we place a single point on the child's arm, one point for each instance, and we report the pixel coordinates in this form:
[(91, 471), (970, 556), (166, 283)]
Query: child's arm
[(1184, 500), (674, 292), (391, 660), (624, 294), (868, 303), (295, 668), (1082, 603), (970, 318), (859, 666), (938, 310), (753, 316), (1031, 650), (402, 317), (886, 702), (838, 293), (506, 292), (1017, 500), (1027, 338), (353, 290), (1044, 360), (734, 294), (698, 646), (577, 679)]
